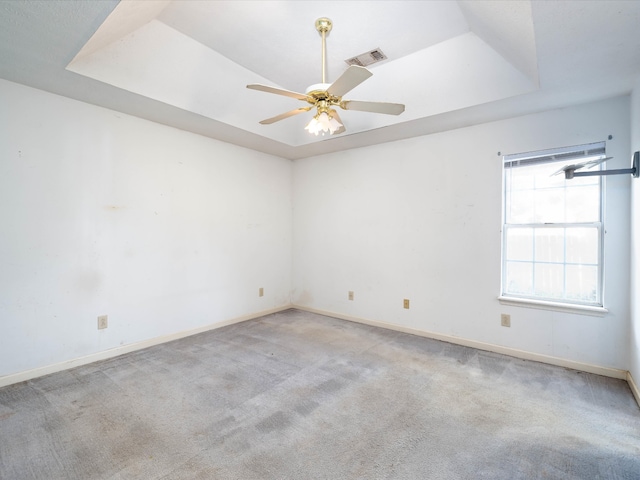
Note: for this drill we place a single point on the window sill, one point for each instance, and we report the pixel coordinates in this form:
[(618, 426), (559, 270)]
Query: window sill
[(554, 306)]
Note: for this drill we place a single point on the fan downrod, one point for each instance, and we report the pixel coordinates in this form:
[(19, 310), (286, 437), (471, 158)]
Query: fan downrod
[(324, 26)]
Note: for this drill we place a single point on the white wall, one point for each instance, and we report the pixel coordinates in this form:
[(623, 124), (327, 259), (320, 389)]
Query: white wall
[(102, 213), (421, 219), (634, 354), (166, 231)]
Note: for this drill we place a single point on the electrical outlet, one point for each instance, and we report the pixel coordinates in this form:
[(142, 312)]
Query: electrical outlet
[(350, 295), (406, 303), (103, 322), (505, 320), (261, 292)]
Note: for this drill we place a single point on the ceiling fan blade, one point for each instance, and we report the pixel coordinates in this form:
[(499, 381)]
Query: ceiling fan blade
[(335, 115), (350, 79), (282, 116), (277, 91), (375, 107)]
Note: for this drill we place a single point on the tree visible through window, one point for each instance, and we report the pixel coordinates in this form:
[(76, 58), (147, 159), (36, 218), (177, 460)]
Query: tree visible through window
[(552, 232)]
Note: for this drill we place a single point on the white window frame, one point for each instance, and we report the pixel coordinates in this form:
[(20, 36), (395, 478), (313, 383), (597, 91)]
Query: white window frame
[(561, 156)]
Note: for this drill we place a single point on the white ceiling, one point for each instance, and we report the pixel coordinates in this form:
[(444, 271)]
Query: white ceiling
[(452, 63)]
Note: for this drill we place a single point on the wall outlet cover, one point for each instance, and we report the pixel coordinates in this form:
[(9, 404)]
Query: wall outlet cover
[(103, 322)]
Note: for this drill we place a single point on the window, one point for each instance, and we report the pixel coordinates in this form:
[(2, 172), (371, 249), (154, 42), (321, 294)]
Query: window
[(552, 231)]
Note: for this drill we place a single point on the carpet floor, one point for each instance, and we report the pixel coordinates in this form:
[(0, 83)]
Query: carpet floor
[(296, 395)]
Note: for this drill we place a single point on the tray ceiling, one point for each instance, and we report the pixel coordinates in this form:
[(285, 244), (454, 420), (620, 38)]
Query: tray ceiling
[(186, 63)]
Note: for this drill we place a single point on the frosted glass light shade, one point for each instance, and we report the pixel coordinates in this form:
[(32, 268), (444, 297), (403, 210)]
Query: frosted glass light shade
[(323, 123)]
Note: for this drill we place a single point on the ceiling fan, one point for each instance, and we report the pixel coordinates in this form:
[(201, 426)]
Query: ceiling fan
[(324, 96)]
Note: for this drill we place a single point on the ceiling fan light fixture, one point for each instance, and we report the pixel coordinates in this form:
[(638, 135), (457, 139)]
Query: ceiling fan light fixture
[(323, 122), (324, 96)]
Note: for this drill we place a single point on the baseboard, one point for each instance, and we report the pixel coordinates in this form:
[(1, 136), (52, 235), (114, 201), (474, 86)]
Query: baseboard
[(537, 357), (114, 352), (634, 387)]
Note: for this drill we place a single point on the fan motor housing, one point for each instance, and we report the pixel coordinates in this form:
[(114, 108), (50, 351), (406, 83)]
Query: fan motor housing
[(318, 92), (317, 87)]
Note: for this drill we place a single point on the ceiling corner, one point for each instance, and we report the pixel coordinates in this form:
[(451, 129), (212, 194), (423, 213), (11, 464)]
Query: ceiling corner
[(508, 28)]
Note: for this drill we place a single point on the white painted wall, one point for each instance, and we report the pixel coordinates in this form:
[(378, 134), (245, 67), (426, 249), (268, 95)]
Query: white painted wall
[(166, 231), (421, 219), (634, 337), (103, 213)]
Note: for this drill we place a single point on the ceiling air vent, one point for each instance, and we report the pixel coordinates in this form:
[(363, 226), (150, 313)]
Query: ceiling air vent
[(368, 58)]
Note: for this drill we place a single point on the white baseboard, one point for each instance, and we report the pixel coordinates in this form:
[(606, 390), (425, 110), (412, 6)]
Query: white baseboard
[(513, 352), (114, 352), (634, 387)]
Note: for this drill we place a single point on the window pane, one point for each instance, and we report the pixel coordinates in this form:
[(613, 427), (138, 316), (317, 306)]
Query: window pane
[(520, 244), (557, 253), (519, 179), (519, 278), (582, 245), (520, 210), (585, 204), (582, 283), (549, 280), (545, 178), (549, 245), (549, 205)]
